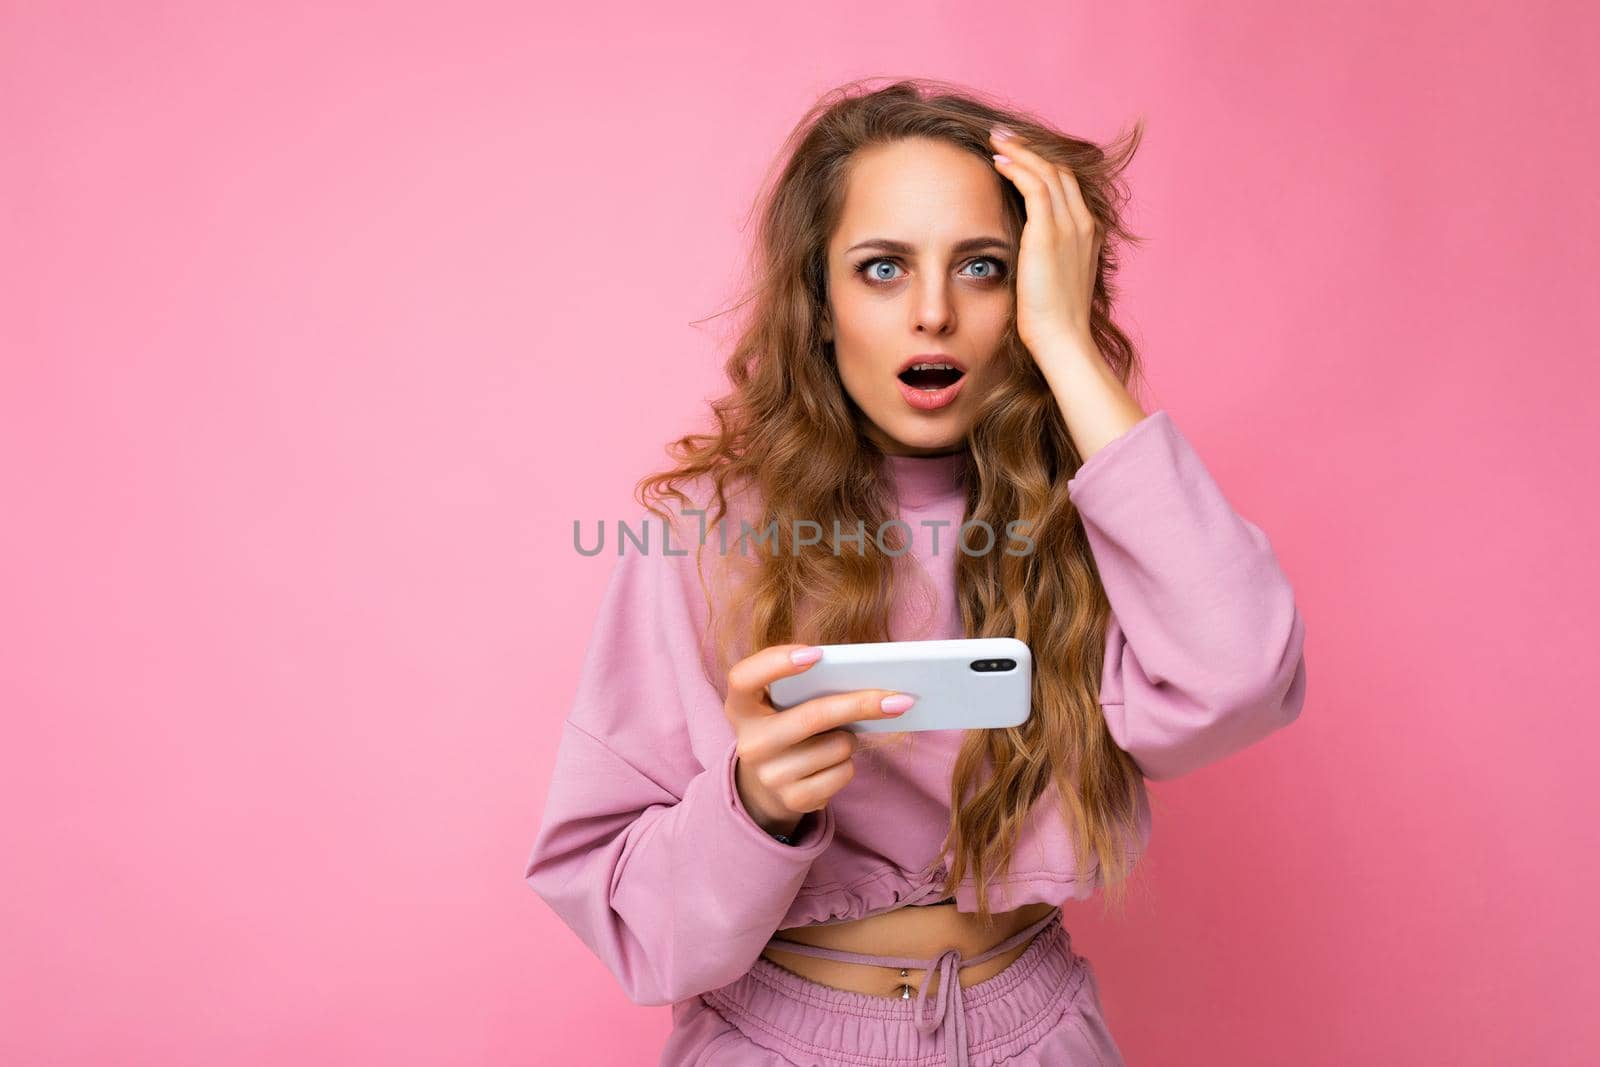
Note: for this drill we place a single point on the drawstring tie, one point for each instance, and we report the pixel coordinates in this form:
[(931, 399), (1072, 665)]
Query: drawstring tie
[(949, 1009)]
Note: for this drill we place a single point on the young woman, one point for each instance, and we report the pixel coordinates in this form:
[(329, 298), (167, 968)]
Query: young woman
[(931, 344)]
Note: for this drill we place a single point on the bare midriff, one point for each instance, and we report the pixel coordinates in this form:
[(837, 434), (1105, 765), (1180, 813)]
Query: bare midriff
[(914, 932)]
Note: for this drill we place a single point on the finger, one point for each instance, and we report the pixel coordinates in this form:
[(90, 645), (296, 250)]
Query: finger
[(810, 717), (1046, 172), (1076, 204), (810, 756), (1034, 193), (814, 791), (1041, 209), (748, 679)]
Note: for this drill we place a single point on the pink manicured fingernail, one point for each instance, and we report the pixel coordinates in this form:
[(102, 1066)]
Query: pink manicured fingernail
[(806, 655), (998, 158), (1001, 132), (899, 702)]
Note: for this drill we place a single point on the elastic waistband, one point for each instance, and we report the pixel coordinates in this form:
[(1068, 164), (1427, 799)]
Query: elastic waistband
[(997, 1017)]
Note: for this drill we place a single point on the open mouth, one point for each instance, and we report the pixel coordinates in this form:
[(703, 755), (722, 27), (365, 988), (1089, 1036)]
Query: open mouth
[(931, 376)]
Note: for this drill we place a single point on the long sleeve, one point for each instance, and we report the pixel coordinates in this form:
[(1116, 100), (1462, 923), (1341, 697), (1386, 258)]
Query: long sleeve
[(645, 850), (1204, 649)]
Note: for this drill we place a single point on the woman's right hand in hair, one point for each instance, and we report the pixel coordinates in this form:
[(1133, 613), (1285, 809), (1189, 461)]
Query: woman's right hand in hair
[(793, 760)]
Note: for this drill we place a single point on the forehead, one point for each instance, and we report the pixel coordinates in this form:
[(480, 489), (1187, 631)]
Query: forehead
[(923, 191)]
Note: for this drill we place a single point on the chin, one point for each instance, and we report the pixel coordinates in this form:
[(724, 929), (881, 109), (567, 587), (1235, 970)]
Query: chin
[(922, 436)]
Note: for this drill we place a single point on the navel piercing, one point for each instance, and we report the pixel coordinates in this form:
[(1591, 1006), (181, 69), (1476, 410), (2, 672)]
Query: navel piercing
[(905, 990)]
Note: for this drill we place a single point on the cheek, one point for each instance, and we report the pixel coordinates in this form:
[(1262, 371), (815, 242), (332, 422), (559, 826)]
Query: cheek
[(992, 328), (857, 374), (857, 317), (997, 310), (864, 336)]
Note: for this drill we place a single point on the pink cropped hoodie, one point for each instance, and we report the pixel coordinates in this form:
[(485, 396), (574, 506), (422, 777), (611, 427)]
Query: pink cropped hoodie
[(645, 850)]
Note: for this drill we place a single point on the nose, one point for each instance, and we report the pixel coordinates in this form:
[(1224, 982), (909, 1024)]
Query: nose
[(935, 311)]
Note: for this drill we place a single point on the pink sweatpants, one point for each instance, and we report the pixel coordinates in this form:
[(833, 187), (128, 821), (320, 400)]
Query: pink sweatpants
[(1041, 1011)]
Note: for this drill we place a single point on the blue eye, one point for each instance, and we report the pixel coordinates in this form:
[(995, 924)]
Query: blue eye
[(870, 266), (868, 269)]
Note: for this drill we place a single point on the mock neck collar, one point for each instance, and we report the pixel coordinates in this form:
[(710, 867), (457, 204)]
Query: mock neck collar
[(922, 480)]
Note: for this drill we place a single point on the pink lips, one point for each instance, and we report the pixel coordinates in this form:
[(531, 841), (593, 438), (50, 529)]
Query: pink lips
[(931, 399)]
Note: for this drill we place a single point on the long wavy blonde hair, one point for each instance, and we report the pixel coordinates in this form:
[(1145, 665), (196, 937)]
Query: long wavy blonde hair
[(788, 432)]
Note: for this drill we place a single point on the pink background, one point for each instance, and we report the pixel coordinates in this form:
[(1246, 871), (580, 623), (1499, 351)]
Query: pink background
[(320, 329)]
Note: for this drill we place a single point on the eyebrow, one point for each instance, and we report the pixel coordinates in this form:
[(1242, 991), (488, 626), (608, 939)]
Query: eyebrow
[(971, 244)]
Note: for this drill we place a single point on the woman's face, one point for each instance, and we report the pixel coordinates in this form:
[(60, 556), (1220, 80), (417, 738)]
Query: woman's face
[(919, 271)]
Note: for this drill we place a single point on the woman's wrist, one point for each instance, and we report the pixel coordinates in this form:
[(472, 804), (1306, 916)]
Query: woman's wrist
[(785, 825), (790, 835)]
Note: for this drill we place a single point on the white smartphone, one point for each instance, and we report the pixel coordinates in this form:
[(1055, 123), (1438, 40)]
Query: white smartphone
[(969, 683)]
